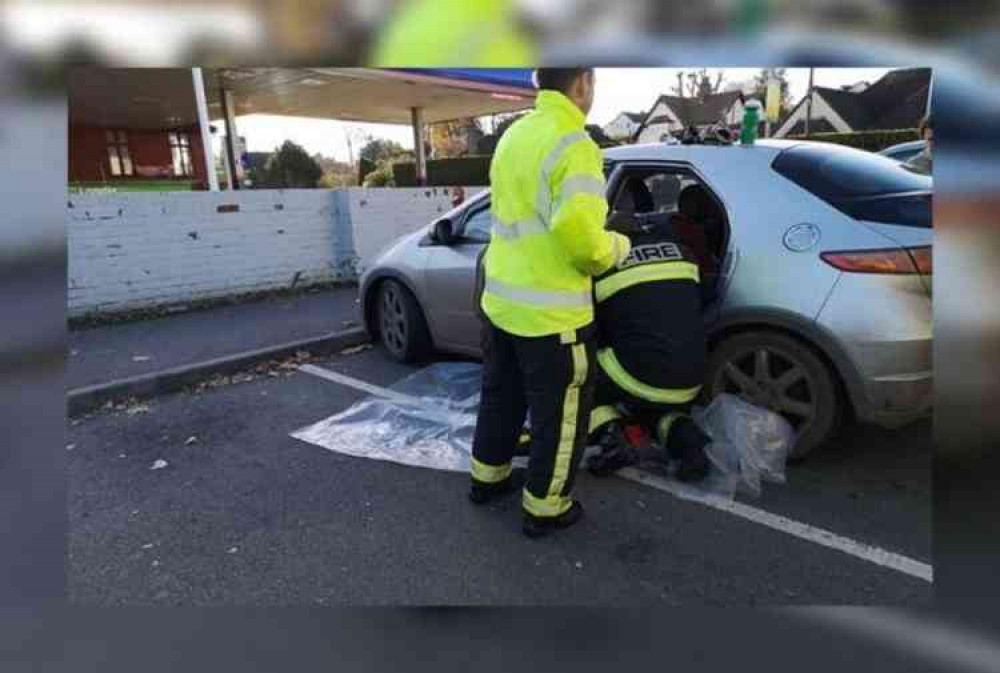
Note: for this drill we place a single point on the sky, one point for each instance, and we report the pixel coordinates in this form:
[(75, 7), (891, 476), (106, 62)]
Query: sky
[(618, 90)]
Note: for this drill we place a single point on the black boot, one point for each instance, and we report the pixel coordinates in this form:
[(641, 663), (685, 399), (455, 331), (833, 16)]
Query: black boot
[(539, 526), (686, 443), (482, 493), (616, 452)]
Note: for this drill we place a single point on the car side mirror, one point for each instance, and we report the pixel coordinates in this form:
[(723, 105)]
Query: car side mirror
[(444, 232)]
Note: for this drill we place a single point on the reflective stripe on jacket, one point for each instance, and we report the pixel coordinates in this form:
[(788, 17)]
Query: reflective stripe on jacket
[(549, 209)]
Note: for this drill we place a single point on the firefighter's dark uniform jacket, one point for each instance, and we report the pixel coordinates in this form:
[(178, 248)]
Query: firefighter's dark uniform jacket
[(652, 347)]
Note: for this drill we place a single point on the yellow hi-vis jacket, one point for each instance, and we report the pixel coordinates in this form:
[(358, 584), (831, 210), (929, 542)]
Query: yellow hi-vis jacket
[(549, 210), (469, 33)]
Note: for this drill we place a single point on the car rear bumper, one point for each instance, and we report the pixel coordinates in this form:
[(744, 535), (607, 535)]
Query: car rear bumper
[(884, 327)]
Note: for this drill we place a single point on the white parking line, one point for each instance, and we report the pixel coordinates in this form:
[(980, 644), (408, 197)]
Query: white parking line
[(825, 538), (865, 552)]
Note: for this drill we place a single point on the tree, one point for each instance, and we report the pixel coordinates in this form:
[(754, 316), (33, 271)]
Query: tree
[(455, 138), (698, 83), (378, 150), (377, 156), (290, 166)]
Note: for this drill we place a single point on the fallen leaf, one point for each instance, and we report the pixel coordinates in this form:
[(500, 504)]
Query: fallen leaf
[(355, 349), (233, 550), (70, 447), (579, 564), (159, 464), (137, 409), (190, 440), (141, 358), (148, 546)]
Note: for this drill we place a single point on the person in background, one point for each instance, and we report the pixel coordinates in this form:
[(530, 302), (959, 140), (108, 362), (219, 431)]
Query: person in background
[(923, 162), (548, 241)]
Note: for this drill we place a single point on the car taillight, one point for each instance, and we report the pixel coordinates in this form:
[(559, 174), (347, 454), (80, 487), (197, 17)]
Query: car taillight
[(893, 261), (923, 258)]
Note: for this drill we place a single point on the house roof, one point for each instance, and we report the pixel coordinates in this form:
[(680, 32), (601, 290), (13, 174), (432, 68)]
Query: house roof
[(707, 110), (636, 117), (897, 100)]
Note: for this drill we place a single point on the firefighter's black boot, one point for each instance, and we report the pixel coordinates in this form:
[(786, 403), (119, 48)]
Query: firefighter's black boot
[(616, 452), (685, 442), (539, 526)]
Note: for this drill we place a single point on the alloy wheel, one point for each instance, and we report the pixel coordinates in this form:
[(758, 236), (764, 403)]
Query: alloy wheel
[(769, 378)]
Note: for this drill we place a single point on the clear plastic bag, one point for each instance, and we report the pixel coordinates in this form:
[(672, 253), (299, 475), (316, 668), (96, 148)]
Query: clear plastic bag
[(429, 419), (749, 444), (428, 422)]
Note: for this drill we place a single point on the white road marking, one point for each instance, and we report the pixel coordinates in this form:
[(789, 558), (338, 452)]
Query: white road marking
[(865, 552), (358, 384), (825, 538)]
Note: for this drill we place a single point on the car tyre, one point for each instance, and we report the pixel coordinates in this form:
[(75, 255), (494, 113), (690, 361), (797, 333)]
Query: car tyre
[(402, 327), (780, 373)]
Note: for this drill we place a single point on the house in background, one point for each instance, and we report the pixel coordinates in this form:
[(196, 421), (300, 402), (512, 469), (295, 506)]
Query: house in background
[(670, 115), (896, 101), (623, 127)]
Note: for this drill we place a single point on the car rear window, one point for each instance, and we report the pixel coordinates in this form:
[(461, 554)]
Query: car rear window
[(861, 184)]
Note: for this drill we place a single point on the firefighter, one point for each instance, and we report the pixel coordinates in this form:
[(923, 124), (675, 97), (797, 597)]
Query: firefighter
[(548, 241), (653, 351)]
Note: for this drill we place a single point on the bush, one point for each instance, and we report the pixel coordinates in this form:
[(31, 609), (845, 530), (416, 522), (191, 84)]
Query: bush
[(290, 166), (873, 141), (381, 176)]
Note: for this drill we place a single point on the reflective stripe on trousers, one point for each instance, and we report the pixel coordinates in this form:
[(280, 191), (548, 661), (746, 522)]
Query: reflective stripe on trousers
[(489, 474), (555, 503)]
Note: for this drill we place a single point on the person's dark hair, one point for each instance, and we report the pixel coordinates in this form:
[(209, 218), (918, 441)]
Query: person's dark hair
[(558, 79), (925, 123)]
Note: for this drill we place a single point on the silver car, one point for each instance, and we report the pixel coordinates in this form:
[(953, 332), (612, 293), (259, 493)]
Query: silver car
[(903, 152), (817, 279)]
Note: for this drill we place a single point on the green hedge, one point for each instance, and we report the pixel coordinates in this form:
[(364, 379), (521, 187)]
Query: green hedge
[(873, 141), (471, 171)]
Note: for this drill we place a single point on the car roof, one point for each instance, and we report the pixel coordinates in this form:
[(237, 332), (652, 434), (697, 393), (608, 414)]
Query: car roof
[(908, 145), (660, 151)]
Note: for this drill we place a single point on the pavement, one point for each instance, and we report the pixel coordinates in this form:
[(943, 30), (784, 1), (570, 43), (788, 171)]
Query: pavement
[(117, 351), (239, 513)]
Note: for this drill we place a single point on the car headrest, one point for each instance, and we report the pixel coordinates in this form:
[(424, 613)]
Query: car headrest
[(695, 202), (635, 196)]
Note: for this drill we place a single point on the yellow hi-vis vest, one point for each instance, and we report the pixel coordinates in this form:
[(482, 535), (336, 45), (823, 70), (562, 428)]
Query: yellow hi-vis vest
[(549, 210), (436, 33)]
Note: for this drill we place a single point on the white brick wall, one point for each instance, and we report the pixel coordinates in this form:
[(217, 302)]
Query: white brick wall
[(129, 251), (380, 216)]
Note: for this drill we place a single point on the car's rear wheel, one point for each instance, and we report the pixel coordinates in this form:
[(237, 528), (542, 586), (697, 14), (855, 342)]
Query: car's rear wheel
[(779, 373), (401, 323)]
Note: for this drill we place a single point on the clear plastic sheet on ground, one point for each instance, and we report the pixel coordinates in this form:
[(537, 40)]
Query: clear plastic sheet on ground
[(430, 417)]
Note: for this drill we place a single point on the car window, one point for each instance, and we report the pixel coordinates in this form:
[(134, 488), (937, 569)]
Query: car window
[(478, 225), (860, 184), (834, 173)]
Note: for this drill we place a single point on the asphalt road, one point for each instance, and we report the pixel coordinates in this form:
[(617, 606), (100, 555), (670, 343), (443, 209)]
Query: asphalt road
[(246, 515)]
